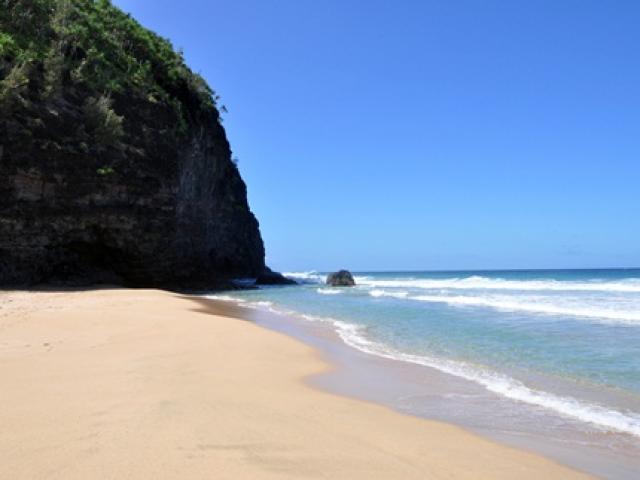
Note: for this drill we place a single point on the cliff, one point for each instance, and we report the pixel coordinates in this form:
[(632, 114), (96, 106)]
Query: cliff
[(114, 166)]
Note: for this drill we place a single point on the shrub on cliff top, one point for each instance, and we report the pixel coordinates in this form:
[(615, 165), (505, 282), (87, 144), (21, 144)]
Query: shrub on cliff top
[(94, 45)]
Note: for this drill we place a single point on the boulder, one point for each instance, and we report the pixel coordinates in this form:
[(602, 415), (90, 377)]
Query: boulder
[(342, 278)]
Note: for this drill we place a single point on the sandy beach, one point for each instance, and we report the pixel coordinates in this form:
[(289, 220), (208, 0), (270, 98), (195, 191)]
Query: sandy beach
[(143, 384)]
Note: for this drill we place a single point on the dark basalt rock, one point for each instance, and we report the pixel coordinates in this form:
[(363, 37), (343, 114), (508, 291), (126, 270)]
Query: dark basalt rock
[(114, 166), (342, 278), (269, 277), (168, 211)]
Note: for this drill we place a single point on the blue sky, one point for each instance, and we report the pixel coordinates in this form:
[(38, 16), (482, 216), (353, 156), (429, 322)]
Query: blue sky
[(426, 134)]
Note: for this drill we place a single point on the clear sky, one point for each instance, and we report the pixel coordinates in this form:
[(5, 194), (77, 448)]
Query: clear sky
[(379, 134)]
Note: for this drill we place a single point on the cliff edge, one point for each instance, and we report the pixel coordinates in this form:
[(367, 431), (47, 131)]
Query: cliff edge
[(114, 165)]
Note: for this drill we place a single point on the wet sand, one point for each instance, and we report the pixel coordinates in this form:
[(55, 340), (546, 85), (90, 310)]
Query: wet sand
[(428, 393)]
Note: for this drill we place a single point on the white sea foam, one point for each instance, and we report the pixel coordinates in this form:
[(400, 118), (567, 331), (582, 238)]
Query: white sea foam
[(260, 304), (224, 298), (329, 291), (387, 293), (551, 306), (305, 277), (354, 335), (483, 283), (597, 415)]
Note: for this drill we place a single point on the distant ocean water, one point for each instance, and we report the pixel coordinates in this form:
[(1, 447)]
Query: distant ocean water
[(565, 341)]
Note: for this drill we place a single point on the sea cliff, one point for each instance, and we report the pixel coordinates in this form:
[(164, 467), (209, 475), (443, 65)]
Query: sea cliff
[(114, 165)]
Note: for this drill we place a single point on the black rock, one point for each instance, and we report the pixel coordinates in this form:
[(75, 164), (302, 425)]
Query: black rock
[(160, 204), (269, 277), (343, 278), (174, 214)]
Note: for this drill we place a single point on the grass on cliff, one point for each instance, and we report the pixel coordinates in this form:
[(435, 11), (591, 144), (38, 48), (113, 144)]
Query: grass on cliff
[(48, 45)]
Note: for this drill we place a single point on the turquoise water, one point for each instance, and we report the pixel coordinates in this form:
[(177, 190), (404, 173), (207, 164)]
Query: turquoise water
[(567, 341)]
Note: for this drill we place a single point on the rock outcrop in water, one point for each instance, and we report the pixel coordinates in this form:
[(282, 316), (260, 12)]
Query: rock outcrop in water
[(114, 166), (342, 278), (269, 277)]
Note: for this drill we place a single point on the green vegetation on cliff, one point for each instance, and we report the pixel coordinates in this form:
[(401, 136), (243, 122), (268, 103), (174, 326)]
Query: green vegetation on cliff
[(47, 46)]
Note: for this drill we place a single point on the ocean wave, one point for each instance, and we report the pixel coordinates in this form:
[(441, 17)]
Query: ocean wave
[(601, 417), (539, 305), (386, 293), (329, 291), (305, 277), (224, 298), (259, 304), (355, 336), (475, 282)]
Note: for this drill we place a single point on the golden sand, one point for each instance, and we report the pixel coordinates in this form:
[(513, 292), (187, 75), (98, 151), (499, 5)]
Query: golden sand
[(146, 384)]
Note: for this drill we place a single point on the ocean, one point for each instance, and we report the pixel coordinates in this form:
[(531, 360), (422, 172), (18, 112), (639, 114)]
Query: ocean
[(553, 353)]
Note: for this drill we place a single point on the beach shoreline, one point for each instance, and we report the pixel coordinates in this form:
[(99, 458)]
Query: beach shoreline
[(153, 384), (427, 393)]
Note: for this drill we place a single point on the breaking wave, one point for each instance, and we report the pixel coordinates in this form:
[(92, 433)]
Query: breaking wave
[(305, 277), (538, 305), (601, 417), (483, 283), (541, 297)]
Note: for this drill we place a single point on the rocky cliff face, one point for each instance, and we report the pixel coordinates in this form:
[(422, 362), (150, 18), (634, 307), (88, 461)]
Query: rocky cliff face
[(129, 185), (158, 214)]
